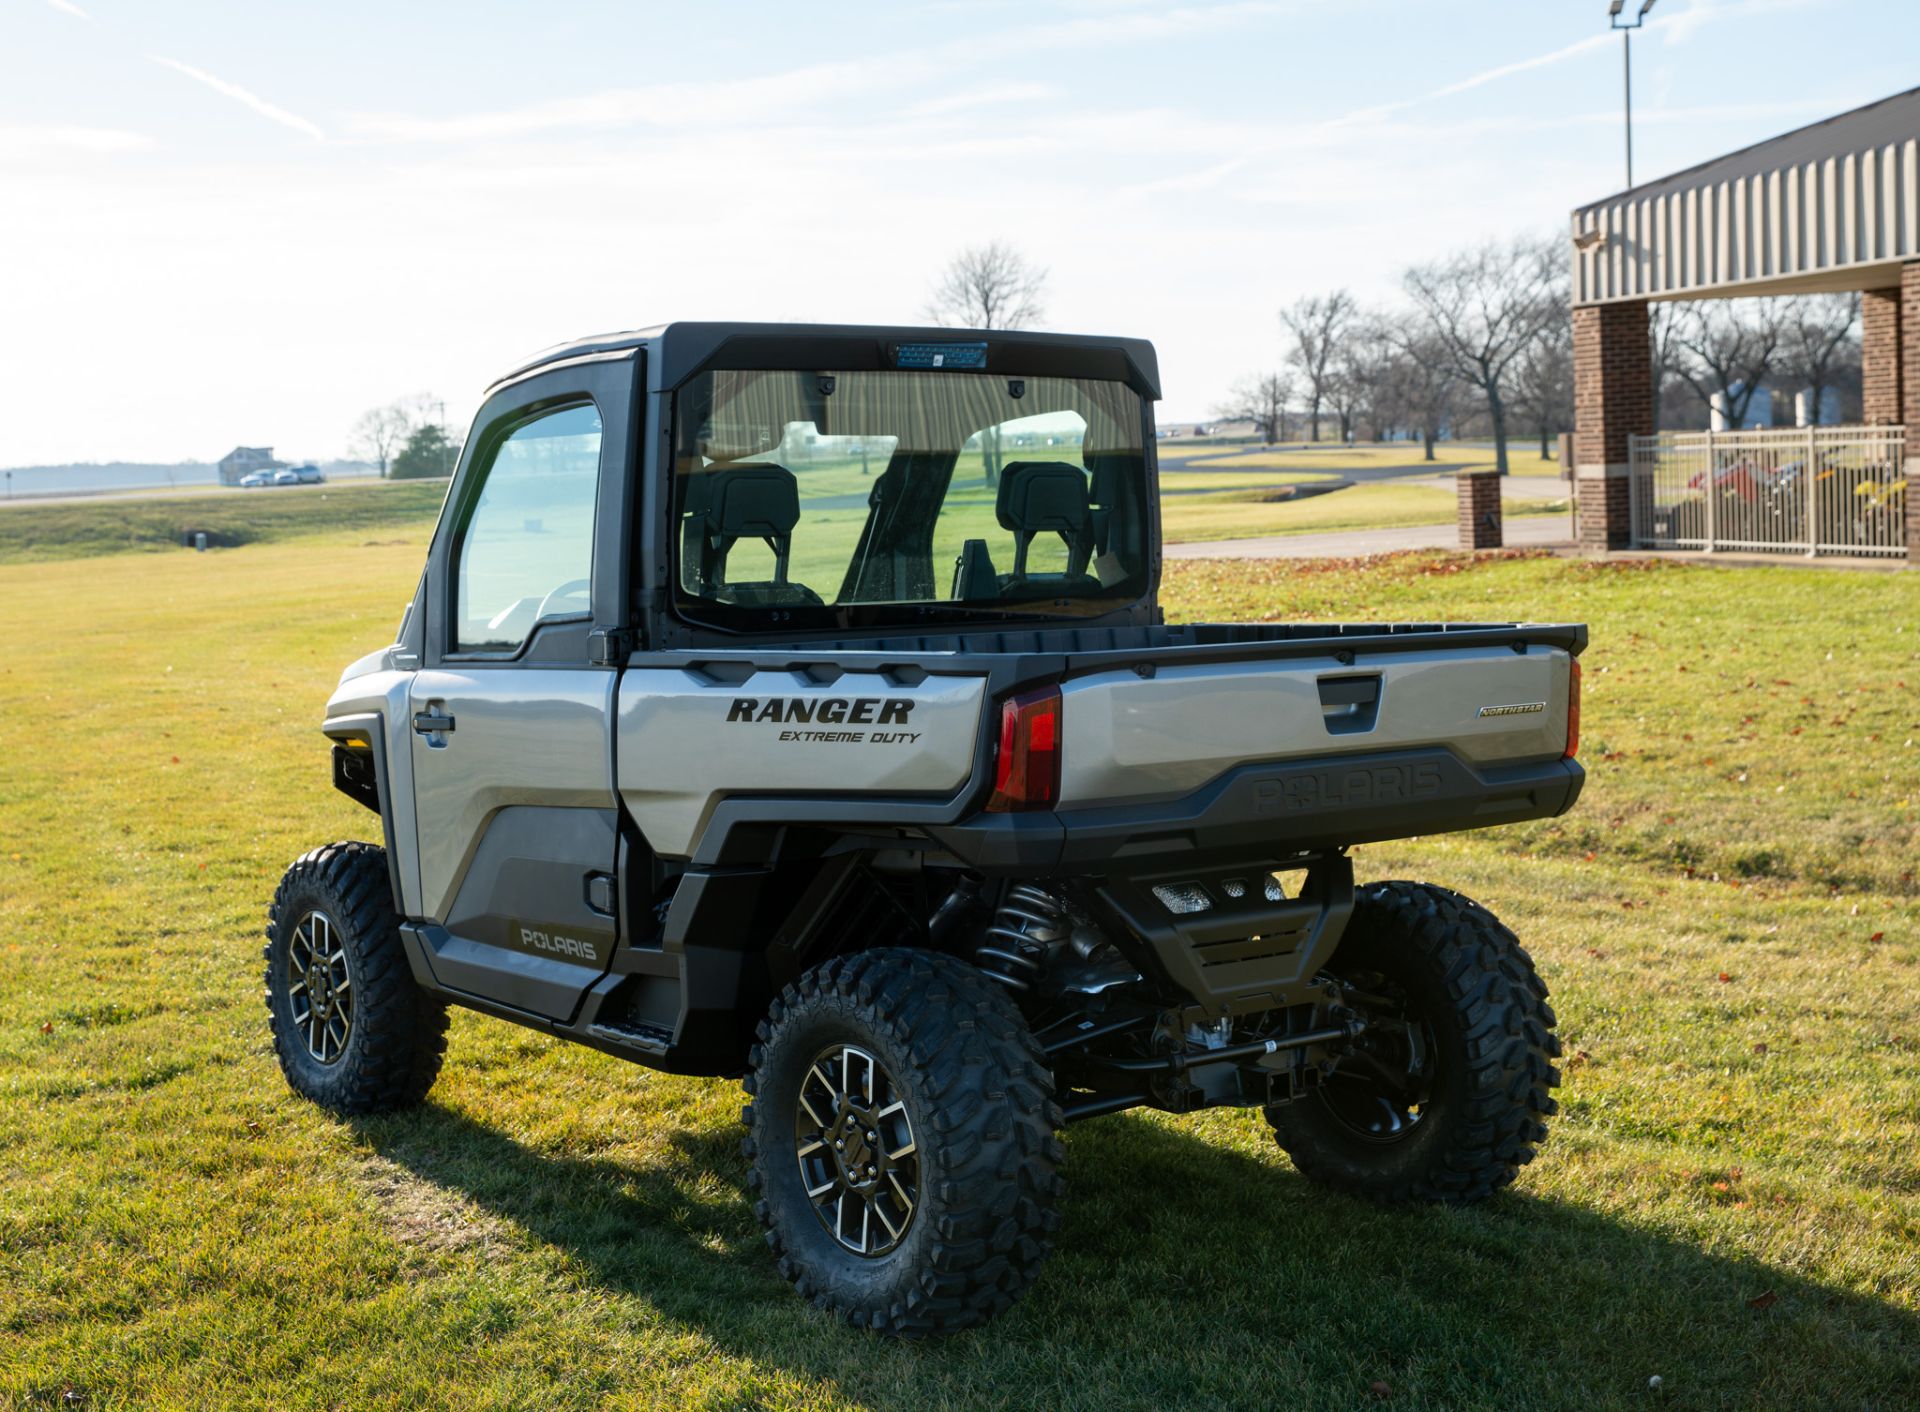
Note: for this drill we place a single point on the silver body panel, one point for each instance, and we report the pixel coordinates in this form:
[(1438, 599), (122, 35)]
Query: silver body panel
[(680, 754), (1129, 738), (524, 736), (372, 690)]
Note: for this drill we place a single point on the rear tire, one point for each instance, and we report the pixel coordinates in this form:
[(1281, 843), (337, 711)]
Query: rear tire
[(354, 1032), (1449, 1105), (902, 1141)]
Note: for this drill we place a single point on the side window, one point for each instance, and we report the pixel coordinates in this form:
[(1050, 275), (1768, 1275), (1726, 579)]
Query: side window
[(526, 551)]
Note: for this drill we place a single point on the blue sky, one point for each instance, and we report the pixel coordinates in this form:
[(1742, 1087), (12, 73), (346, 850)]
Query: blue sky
[(228, 222)]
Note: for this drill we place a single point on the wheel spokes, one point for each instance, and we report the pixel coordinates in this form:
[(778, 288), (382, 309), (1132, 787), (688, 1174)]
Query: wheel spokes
[(856, 1150), (319, 981)]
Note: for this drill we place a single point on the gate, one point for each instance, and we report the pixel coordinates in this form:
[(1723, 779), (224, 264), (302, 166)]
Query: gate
[(1791, 490)]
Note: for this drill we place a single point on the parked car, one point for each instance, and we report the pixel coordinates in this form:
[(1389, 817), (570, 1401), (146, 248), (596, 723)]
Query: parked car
[(254, 479), (308, 475)]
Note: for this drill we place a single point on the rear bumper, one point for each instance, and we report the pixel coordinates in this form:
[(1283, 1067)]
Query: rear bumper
[(1261, 811)]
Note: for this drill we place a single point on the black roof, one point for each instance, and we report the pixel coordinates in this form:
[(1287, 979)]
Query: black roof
[(1889, 120), (679, 350)]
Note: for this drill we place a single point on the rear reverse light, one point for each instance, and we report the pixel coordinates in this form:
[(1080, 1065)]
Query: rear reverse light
[(1573, 709), (1026, 770)]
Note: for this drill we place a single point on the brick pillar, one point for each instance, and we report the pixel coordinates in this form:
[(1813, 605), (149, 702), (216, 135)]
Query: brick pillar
[(1479, 493), (1880, 341), (1910, 398), (1612, 400)]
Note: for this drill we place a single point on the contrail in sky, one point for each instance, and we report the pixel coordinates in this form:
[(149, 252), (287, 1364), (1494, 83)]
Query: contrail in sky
[(240, 95)]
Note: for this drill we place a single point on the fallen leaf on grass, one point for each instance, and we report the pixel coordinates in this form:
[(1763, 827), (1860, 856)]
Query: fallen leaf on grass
[(1760, 1048), (1379, 1391), (1724, 978), (1763, 1301), (47, 1028), (1596, 953), (1876, 936)]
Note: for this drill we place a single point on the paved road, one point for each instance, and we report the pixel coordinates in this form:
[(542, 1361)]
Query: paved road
[(1526, 532), (1325, 460)]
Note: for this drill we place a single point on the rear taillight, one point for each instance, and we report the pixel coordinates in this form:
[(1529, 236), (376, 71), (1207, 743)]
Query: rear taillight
[(1573, 709), (1026, 771)]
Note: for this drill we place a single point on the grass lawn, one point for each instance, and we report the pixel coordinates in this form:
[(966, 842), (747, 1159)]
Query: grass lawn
[(78, 528), (1729, 922)]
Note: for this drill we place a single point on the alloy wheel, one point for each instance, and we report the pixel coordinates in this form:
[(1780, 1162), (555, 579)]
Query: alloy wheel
[(859, 1162), (320, 987)]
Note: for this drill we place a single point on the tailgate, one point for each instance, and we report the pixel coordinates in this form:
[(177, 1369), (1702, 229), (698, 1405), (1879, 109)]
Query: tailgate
[(1131, 738)]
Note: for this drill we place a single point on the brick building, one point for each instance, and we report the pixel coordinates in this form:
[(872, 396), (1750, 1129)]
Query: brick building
[(1831, 207)]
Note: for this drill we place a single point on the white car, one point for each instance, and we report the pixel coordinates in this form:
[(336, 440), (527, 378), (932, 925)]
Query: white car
[(256, 479), (287, 477)]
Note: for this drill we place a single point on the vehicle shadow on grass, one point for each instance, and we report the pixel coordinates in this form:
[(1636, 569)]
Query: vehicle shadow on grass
[(1191, 1273)]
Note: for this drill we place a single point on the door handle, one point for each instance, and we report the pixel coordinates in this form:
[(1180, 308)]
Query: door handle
[(431, 723)]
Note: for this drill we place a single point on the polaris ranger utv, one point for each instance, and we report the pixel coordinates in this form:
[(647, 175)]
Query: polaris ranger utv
[(793, 703)]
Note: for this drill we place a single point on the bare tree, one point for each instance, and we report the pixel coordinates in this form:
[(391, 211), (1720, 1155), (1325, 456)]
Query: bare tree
[(988, 286), (379, 433), (1726, 351), (1319, 326), (1543, 383), (1820, 343), (1663, 323), (1362, 388), (1262, 400), (1418, 388), (1484, 308)]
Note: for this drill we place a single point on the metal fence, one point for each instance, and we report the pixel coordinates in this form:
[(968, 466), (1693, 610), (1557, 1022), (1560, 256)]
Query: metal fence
[(1793, 490)]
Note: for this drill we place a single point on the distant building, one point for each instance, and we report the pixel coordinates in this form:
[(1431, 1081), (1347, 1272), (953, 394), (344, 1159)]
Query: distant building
[(245, 460)]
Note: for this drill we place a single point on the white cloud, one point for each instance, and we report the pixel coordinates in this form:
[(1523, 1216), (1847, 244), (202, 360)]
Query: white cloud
[(33, 141), (243, 96), (736, 101), (988, 97)]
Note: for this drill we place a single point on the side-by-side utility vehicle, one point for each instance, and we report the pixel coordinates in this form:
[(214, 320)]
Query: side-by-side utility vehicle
[(795, 703)]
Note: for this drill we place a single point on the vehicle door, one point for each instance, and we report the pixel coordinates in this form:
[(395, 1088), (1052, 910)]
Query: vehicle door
[(512, 719)]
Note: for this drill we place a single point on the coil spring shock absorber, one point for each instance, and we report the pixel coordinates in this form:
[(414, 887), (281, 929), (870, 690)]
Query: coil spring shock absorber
[(1029, 920)]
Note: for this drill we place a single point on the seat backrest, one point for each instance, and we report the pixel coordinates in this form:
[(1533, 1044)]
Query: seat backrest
[(740, 502), (1040, 497)]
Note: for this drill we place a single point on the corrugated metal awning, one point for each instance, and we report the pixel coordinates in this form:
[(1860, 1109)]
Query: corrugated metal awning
[(1831, 206)]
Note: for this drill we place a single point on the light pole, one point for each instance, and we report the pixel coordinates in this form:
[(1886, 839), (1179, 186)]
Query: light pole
[(1626, 57)]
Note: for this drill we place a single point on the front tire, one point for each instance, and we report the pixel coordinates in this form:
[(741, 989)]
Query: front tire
[(353, 1030), (1448, 1092), (902, 1142)]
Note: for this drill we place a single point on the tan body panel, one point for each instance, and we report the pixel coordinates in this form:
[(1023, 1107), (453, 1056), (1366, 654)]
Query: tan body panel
[(1133, 738), (684, 743)]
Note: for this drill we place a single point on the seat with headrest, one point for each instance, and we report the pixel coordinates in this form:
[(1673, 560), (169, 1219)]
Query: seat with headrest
[(1040, 497), (743, 502)]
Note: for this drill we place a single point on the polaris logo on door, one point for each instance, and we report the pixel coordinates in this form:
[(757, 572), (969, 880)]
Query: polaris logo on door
[(545, 941)]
